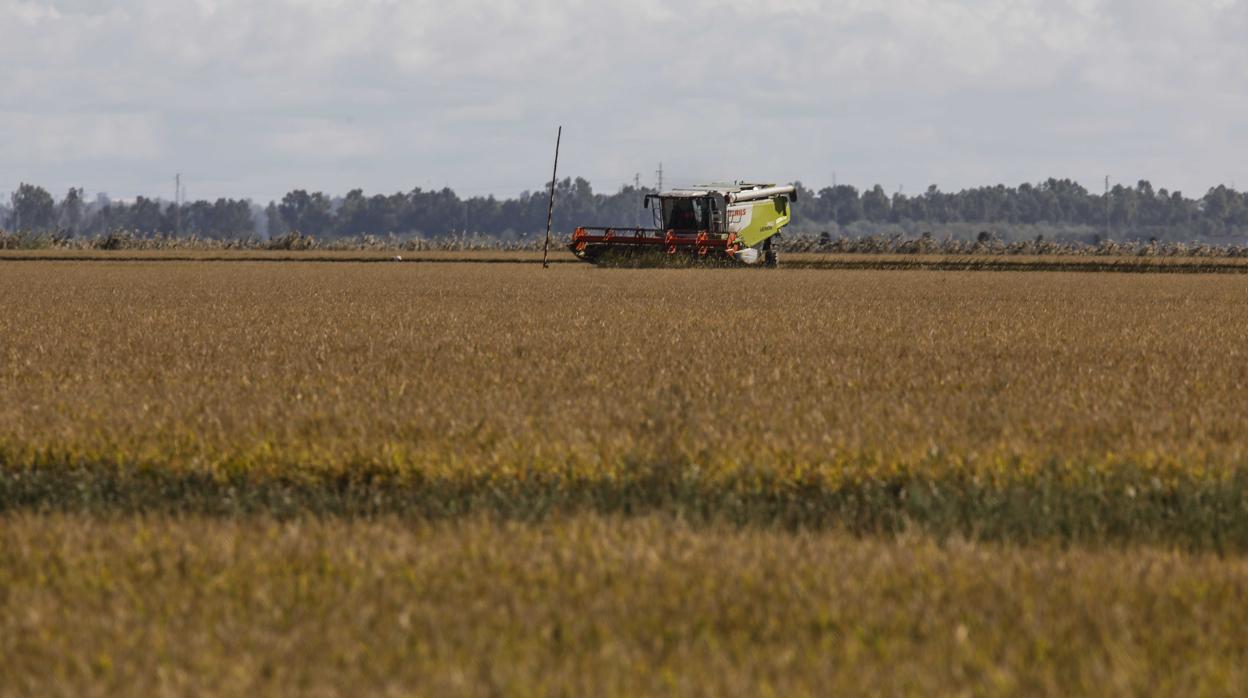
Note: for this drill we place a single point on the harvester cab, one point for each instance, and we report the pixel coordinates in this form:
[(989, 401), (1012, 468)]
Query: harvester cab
[(734, 223)]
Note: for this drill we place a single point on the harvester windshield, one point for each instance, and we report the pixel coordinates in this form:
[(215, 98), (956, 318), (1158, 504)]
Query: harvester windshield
[(688, 213)]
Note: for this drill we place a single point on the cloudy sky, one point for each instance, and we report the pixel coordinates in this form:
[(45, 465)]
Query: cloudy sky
[(255, 97)]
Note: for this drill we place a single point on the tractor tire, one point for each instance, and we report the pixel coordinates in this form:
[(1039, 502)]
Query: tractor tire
[(771, 259)]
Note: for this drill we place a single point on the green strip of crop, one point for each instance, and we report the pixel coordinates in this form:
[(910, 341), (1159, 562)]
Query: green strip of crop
[(1200, 508)]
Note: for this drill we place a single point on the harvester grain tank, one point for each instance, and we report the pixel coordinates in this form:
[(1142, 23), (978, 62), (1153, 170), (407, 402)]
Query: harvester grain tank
[(733, 223)]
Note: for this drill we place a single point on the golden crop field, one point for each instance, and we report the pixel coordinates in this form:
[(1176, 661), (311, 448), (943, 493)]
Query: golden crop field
[(248, 476)]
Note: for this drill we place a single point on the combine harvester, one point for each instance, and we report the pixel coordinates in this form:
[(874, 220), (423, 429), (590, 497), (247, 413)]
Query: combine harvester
[(724, 223)]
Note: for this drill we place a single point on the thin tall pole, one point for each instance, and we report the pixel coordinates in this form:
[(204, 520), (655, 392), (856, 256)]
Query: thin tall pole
[(550, 211), (177, 205), (1107, 207)]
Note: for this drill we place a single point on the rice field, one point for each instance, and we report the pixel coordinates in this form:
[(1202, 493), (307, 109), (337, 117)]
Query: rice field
[(597, 605), (248, 477)]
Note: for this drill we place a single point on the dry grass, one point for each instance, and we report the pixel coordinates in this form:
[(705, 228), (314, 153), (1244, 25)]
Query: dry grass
[(592, 606), (369, 478), (796, 365), (948, 261), (1081, 406)]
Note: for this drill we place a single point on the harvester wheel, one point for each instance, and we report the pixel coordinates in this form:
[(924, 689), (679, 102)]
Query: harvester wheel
[(771, 259)]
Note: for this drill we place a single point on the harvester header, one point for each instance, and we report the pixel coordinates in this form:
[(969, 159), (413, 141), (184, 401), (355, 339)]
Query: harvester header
[(716, 222)]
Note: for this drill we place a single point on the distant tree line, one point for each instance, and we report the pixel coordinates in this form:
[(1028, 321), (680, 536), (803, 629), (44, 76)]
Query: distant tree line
[(438, 213), (32, 209), (1130, 212), (1126, 212)]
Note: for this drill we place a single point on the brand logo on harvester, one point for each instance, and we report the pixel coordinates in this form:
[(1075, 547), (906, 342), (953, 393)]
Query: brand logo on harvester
[(739, 218)]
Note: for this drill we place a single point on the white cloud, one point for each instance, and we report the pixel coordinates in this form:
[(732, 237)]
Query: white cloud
[(318, 139), (70, 138), (385, 94)]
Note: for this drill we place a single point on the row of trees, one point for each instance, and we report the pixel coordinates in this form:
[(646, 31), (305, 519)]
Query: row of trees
[(32, 208), (441, 212), (1125, 212), (1131, 211)]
